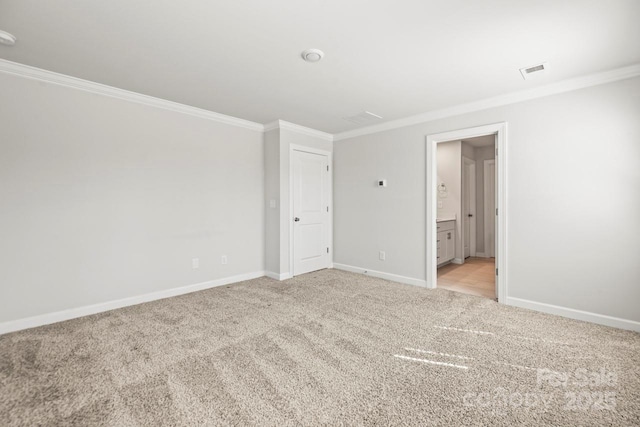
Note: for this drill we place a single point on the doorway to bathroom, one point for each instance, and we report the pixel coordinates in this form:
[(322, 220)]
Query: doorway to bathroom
[(465, 226)]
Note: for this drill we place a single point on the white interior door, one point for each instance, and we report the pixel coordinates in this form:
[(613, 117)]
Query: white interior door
[(490, 208), (468, 206), (311, 212), (496, 227)]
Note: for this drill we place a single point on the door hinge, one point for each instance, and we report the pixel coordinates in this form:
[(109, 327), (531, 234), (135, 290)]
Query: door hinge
[(327, 168), (327, 250), (327, 208), (496, 151), (496, 271), (496, 211)]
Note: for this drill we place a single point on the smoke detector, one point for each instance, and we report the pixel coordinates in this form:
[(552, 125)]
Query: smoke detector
[(312, 55), (534, 71), (7, 39)]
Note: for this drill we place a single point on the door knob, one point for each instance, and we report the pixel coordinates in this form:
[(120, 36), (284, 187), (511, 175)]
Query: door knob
[(470, 215), (296, 219)]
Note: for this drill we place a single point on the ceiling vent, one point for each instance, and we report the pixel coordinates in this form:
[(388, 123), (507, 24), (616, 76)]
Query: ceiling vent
[(363, 118), (534, 71)]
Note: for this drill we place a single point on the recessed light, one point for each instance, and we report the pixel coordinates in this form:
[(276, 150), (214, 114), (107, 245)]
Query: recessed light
[(312, 55), (7, 39)]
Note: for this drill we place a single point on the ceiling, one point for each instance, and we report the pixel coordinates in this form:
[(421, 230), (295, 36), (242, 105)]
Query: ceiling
[(395, 59)]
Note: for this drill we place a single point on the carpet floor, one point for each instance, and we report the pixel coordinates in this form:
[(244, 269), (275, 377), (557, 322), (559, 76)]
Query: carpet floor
[(326, 348)]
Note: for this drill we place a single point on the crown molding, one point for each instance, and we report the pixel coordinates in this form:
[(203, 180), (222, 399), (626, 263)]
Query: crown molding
[(272, 125), (281, 124), (498, 101), (26, 71)]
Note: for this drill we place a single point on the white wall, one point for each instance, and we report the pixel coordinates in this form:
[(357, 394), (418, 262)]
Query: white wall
[(449, 173), (573, 198), (103, 199), (468, 151)]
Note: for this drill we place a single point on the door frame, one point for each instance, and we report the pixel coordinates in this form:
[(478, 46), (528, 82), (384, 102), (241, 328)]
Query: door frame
[(329, 155), (489, 226), (500, 130), (466, 161)]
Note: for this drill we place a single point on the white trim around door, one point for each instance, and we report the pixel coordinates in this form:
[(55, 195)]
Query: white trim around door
[(329, 237), (489, 206), (500, 130)]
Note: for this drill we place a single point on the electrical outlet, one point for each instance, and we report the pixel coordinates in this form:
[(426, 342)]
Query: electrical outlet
[(382, 256), (439, 204), (224, 260), (195, 263)]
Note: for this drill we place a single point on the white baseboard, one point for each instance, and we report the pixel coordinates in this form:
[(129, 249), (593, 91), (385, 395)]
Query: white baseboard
[(278, 276), (480, 255), (381, 275), (571, 313), (457, 261), (72, 313)]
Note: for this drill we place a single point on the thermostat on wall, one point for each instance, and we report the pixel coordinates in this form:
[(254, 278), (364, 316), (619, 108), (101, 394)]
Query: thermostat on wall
[(382, 183)]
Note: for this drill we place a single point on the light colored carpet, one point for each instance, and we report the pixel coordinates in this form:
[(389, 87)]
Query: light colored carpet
[(325, 348)]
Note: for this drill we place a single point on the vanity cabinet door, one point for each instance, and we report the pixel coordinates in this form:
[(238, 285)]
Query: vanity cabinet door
[(450, 245), (442, 245)]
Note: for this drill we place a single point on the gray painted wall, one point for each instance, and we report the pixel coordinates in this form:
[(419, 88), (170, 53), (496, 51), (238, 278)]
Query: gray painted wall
[(103, 199), (272, 193), (573, 198)]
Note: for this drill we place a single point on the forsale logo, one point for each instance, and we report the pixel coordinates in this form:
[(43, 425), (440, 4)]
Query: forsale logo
[(553, 378), (581, 378)]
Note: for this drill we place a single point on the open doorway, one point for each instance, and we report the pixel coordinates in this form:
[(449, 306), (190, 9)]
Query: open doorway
[(460, 164), (466, 227)]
